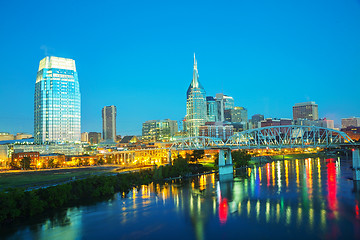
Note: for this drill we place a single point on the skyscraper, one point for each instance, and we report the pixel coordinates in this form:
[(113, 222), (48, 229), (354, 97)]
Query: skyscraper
[(212, 112), (109, 123), (196, 112), (224, 102), (239, 114), (306, 110), (57, 102), (154, 130)]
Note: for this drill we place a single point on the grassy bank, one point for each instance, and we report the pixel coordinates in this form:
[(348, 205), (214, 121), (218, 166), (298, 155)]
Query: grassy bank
[(40, 178), (297, 156), (16, 203)]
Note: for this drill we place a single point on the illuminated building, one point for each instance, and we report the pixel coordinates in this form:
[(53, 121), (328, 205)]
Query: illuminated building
[(350, 122), (224, 102), (85, 137), (275, 122), (196, 112), (155, 130), (22, 136), (239, 114), (326, 123), (57, 102), (109, 123), (306, 110), (352, 132), (212, 111), (6, 136), (67, 149), (217, 130)]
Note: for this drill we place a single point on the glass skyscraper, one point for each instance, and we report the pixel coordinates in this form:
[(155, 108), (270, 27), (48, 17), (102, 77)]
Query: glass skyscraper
[(196, 112), (57, 102), (109, 123)]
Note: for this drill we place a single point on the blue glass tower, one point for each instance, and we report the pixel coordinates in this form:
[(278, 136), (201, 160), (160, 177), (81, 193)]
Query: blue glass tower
[(196, 112), (57, 102)]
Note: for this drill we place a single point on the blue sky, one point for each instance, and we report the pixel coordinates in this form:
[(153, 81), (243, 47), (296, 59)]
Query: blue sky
[(138, 55)]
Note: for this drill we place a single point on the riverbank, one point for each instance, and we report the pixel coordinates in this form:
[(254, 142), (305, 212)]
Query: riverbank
[(17, 203)]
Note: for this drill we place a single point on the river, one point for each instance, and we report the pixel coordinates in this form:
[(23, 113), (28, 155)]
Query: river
[(298, 199)]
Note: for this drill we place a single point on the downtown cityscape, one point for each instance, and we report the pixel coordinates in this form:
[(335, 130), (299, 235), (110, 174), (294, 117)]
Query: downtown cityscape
[(125, 143)]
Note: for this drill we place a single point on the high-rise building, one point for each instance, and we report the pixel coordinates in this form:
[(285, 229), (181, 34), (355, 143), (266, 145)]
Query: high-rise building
[(256, 120), (196, 112), (224, 102), (306, 110), (57, 102), (155, 130), (350, 122), (239, 114), (109, 123), (212, 112)]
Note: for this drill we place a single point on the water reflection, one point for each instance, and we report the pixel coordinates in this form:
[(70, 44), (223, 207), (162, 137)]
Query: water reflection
[(310, 198)]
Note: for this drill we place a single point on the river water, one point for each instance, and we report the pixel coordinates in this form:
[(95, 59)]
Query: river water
[(298, 199)]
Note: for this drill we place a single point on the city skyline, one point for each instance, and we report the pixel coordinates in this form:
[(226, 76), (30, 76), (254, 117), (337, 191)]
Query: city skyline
[(265, 76)]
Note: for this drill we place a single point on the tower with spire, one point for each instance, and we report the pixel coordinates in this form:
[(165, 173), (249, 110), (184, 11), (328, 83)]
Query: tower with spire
[(196, 112)]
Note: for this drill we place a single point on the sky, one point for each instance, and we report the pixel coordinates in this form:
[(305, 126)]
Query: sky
[(138, 56)]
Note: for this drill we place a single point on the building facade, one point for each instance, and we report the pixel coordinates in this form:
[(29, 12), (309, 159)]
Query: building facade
[(85, 137), (256, 120), (196, 111), (57, 110), (155, 130), (239, 114), (94, 137), (350, 122), (109, 123), (306, 110), (217, 130), (212, 111), (224, 102)]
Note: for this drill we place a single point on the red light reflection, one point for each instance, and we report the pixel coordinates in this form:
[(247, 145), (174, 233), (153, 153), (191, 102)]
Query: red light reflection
[(331, 178), (223, 210)]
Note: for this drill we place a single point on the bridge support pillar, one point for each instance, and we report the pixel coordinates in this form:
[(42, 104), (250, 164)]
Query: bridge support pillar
[(356, 164), (225, 163), (169, 158)]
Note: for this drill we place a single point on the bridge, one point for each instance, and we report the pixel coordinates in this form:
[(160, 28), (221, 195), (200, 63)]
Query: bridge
[(278, 137), (275, 137), (289, 136)]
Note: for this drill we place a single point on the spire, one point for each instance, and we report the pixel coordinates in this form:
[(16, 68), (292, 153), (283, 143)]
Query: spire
[(195, 63), (195, 81)]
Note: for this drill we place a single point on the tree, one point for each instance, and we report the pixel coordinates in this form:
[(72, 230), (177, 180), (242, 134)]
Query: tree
[(25, 163), (13, 165), (198, 154), (188, 157), (101, 161), (240, 158)]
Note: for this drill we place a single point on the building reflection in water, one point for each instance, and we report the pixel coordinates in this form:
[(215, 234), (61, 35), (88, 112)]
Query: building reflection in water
[(298, 194)]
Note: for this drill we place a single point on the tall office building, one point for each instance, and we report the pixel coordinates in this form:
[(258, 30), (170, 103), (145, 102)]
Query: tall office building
[(306, 110), (224, 102), (212, 112), (239, 114), (57, 102), (196, 112), (155, 130), (109, 123)]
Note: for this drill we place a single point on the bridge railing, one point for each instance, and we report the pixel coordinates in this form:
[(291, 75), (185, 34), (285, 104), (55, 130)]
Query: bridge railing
[(289, 136)]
